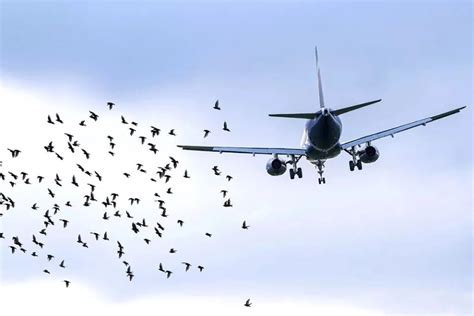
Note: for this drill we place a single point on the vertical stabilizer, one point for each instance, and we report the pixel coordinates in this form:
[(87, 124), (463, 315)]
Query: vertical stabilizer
[(320, 85)]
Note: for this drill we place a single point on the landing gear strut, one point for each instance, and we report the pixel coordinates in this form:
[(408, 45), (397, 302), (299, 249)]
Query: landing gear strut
[(320, 166), (355, 162), (294, 169)]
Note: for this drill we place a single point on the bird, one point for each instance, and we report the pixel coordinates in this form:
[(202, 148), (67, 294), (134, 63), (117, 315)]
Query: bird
[(50, 121), (186, 175), (155, 131), (123, 120), (110, 105), (58, 119), (168, 274), (216, 170), (174, 162), (14, 152), (180, 222), (87, 154), (62, 264), (208, 234), (200, 268), (247, 303), (224, 193), (227, 203), (188, 265), (82, 123), (225, 128), (216, 105), (50, 147), (228, 177), (93, 116), (172, 133), (172, 250), (245, 226), (67, 283), (34, 207), (65, 222), (74, 181), (206, 133), (132, 130)]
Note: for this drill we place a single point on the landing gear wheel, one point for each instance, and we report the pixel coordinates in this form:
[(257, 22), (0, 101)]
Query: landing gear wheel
[(359, 165), (324, 180), (351, 165), (292, 174), (299, 172), (319, 180)]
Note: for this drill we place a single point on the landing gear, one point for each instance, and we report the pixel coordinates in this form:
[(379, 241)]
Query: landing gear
[(355, 162), (353, 165), (295, 171), (320, 166)]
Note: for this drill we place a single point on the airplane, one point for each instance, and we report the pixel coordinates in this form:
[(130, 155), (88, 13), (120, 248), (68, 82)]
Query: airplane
[(320, 140)]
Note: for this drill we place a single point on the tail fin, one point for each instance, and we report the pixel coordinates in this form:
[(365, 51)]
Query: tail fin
[(320, 85), (353, 107)]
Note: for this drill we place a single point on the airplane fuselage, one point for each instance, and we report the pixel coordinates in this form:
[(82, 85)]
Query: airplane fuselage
[(321, 137)]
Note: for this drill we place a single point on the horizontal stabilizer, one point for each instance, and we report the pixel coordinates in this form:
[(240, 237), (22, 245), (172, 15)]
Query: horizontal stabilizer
[(354, 107), (308, 116)]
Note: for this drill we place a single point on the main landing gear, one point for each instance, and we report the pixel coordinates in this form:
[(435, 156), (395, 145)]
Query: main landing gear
[(355, 162), (320, 166), (295, 171)]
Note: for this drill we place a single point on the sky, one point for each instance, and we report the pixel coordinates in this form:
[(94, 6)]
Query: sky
[(392, 239)]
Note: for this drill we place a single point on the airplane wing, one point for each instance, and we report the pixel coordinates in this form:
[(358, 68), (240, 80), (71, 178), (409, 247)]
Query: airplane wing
[(248, 150), (398, 129)]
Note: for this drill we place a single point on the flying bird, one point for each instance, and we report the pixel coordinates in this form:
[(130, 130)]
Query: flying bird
[(225, 128), (216, 105)]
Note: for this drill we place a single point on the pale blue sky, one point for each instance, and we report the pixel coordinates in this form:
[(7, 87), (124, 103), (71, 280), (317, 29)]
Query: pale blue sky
[(395, 237)]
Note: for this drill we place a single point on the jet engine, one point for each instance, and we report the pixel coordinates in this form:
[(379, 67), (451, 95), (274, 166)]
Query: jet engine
[(369, 154), (276, 167)]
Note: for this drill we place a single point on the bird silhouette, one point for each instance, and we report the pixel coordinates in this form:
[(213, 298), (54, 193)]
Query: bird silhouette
[(188, 265), (206, 133), (93, 116), (14, 152), (244, 225), (216, 105), (247, 303), (172, 133), (225, 128), (58, 119), (110, 105)]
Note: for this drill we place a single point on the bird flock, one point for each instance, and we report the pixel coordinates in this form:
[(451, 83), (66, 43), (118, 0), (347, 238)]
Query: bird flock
[(82, 183)]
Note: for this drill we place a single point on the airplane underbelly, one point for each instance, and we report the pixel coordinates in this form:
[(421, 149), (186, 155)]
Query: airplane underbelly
[(313, 154)]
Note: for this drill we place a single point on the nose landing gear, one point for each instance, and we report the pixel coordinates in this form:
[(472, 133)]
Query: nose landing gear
[(320, 166)]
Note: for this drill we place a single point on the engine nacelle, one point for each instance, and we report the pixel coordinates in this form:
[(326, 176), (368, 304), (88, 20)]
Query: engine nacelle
[(276, 167), (369, 154)]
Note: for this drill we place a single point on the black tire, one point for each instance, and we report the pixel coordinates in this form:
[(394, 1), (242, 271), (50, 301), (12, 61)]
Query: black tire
[(359, 165), (351, 165), (292, 174), (299, 172)]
